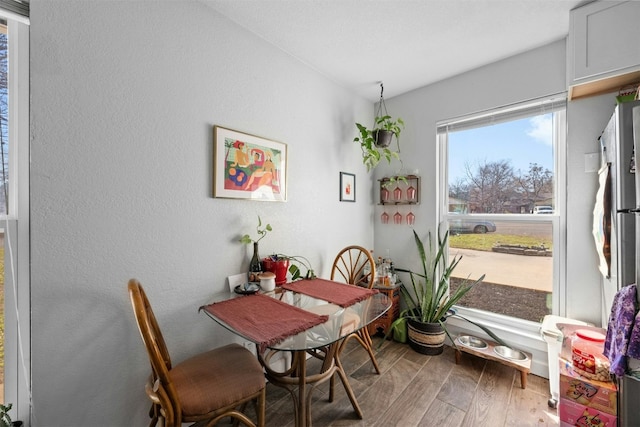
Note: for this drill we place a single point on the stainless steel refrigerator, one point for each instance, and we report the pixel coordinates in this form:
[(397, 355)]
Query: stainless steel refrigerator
[(617, 146), (618, 154)]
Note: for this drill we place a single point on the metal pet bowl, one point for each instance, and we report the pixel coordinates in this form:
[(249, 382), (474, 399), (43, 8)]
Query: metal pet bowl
[(472, 342), (510, 353)]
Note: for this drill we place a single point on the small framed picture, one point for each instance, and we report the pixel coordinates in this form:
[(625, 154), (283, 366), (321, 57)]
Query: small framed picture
[(347, 187), (248, 166)]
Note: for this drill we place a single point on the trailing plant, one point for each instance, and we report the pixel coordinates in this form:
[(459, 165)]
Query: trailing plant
[(260, 229), (371, 153), (386, 122), (390, 180)]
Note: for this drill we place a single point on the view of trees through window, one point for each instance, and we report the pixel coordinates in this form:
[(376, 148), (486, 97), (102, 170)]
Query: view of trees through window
[(501, 212), (494, 187)]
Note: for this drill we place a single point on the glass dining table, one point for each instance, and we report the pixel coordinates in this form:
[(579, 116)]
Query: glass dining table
[(304, 323)]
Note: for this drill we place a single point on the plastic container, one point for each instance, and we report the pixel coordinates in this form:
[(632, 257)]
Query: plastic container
[(586, 355), (554, 337)]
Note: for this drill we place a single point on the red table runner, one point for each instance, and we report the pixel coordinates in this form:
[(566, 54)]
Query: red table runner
[(263, 319), (330, 291)]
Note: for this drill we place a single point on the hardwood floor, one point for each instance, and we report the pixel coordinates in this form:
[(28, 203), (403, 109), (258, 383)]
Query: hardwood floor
[(418, 390)]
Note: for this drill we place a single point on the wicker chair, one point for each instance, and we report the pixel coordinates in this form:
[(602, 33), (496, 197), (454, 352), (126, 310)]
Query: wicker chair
[(202, 389), (349, 267)]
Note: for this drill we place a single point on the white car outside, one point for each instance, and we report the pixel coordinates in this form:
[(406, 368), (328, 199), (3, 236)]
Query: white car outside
[(543, 210)]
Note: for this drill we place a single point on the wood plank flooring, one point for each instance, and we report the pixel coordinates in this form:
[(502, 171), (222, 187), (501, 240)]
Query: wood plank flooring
[(418, 390)]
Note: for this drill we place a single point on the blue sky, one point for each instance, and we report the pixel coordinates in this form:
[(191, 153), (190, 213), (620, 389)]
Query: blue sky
[(521, 142)]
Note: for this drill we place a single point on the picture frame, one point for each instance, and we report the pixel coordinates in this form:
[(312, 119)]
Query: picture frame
[(248, 167), (347, 187)]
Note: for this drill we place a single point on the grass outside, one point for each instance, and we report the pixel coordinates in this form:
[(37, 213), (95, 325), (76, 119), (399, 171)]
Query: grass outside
[(485, 242)]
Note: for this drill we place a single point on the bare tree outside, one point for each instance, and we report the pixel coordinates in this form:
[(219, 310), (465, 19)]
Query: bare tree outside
[(537, 184), (490, 186), (494, 187)]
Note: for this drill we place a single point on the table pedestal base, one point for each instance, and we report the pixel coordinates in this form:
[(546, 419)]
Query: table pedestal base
[(296, 377)]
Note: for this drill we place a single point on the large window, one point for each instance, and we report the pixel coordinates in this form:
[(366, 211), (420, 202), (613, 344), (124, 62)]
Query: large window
[(502, 198)]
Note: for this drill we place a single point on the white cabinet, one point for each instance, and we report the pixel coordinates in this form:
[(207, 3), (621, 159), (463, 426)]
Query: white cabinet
[(603, 47)]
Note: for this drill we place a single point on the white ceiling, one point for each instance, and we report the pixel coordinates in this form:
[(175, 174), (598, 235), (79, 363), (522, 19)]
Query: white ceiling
[(405, 44)]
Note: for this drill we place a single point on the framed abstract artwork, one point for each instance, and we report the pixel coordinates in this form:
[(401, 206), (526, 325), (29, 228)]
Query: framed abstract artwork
[(347, 187), (248, 166)]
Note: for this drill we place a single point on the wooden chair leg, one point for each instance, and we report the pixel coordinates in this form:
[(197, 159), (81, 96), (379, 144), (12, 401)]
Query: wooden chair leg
[(332, 384), (369, 347)]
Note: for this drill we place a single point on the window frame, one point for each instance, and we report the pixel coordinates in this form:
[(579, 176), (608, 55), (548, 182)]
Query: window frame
[(523, 333), (17, 386)]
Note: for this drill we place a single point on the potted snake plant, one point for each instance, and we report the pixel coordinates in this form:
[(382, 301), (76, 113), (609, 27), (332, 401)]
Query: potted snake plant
[(428, 300)]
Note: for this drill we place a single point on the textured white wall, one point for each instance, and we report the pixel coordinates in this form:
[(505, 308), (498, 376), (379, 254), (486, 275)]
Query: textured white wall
[(124, 98)]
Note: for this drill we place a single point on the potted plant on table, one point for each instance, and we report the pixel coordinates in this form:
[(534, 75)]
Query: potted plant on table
[(280, 264), (375, 142), (429, 302)]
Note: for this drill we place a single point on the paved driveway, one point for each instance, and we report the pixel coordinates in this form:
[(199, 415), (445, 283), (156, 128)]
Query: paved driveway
[(506, 269)]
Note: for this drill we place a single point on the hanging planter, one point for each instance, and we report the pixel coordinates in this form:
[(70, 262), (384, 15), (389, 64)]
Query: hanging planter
[(375, 142), (382, 137)]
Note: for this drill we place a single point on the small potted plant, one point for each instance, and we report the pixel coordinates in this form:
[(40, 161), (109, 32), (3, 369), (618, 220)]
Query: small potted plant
[(280, 264), (375, 142)]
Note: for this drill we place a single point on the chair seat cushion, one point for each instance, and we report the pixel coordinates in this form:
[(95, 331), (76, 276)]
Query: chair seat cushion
[(217, 378)]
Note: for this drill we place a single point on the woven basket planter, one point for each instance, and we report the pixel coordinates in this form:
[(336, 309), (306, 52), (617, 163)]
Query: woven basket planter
[(426, 338)]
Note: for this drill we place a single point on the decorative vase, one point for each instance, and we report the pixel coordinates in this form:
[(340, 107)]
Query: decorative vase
[(255, 266), (426, 338), (278, 267)]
